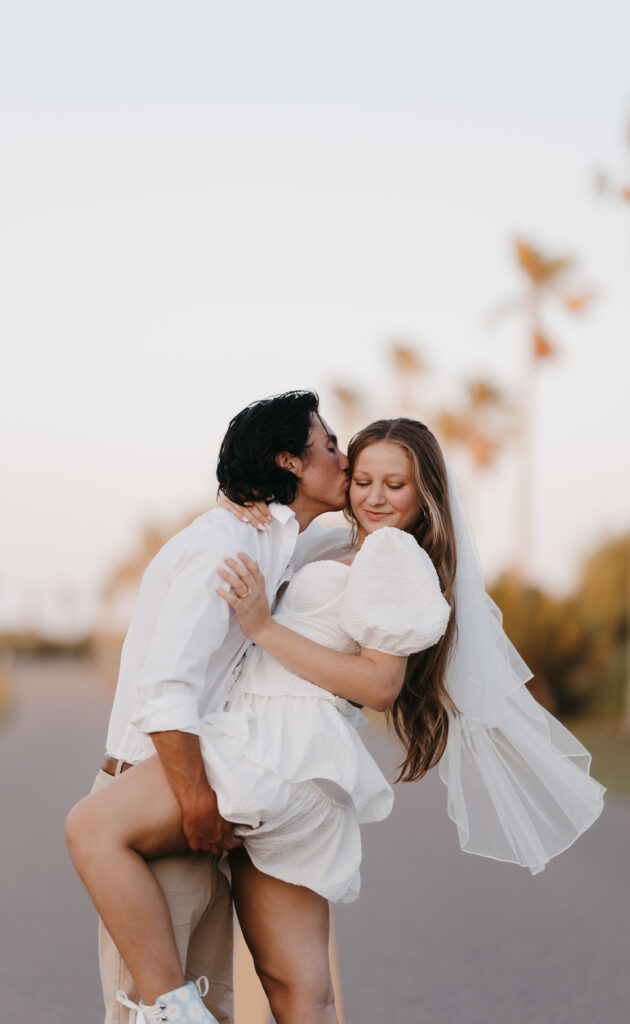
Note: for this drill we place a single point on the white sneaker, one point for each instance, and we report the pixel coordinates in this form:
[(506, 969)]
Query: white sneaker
[(181, 1006)]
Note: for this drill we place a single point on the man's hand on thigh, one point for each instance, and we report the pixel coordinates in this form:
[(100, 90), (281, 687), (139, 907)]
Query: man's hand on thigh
[(202, 824)]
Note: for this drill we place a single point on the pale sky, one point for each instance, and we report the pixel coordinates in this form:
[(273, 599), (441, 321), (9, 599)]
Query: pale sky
[(205, 203)]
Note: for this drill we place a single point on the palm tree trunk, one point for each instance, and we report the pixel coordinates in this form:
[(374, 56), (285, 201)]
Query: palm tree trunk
[(528, 400)]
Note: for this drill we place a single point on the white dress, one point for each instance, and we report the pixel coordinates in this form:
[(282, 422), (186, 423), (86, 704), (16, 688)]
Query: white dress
[(285, 756)]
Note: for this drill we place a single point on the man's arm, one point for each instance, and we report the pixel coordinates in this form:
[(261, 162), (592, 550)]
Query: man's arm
[(204, 828), (192, 625)]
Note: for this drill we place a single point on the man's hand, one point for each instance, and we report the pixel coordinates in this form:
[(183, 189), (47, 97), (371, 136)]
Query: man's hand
[(203, 826)]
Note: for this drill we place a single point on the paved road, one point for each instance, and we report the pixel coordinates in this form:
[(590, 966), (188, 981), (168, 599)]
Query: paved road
[(438, 937), (443, 937)]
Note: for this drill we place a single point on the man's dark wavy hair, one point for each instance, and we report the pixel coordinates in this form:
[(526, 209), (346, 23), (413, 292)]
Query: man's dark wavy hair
[(247, 469)]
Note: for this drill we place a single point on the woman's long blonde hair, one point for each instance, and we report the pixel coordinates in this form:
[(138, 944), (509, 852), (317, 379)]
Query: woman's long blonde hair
[(420, 713)]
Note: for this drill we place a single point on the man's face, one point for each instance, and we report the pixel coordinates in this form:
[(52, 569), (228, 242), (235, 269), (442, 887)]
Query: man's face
[(322, 472)]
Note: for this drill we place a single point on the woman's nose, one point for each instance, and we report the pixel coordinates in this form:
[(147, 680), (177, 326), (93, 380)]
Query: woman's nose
[(376, 495)]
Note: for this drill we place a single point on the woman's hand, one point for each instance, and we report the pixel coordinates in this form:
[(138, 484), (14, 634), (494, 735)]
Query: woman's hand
[(247, 595), (255, 513)]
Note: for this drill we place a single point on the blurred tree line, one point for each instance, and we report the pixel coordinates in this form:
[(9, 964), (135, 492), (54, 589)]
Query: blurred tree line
[(576, 646)]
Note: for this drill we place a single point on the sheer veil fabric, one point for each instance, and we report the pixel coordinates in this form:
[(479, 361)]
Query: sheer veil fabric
[(518, 781)]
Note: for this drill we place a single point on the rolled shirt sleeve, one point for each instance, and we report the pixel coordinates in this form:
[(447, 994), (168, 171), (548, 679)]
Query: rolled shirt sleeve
[(192, 624)]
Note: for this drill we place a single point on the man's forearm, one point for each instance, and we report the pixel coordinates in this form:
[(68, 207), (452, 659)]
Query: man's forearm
[(180, 754), (202, 824)]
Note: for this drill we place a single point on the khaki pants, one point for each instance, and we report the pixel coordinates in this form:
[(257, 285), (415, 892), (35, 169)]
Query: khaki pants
[(200, 903)]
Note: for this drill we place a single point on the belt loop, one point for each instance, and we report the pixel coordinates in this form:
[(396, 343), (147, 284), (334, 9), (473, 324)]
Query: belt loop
[(119, 767)]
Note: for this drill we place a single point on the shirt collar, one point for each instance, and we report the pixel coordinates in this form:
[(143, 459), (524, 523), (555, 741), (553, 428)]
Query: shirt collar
[(281, 512)]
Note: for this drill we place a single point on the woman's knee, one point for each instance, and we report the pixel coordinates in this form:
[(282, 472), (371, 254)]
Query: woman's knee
[(77, 829), (289, 991), (84, 833)]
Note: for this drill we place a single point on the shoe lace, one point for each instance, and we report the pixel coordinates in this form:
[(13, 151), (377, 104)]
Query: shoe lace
[(202, 985), (146, 1014), (143, 1014)]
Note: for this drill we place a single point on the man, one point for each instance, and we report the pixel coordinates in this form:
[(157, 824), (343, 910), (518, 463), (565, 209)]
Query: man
[(181, 650)]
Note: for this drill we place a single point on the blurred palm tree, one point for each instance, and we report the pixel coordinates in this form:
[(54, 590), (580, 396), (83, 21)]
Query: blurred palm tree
[(605, 184), (546, 278), (480, 427), (409, 366), (353, 408), (350, 411)]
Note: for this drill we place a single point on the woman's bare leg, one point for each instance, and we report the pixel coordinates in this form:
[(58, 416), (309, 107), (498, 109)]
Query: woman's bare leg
[(286, 928), (109, 834)]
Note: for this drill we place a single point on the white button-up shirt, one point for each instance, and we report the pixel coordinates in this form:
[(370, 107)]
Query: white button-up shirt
[(184, 640)]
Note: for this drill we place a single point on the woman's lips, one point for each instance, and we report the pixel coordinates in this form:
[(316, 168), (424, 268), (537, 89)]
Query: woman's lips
[(375, 516)]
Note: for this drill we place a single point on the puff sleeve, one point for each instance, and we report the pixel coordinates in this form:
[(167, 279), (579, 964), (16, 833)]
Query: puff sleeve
[(393, 602)]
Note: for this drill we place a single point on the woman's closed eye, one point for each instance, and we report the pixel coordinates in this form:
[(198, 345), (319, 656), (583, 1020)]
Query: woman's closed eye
[(366, 483)]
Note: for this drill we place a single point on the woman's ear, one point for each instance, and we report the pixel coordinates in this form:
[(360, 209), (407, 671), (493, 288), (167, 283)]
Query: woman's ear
[(287, 461)]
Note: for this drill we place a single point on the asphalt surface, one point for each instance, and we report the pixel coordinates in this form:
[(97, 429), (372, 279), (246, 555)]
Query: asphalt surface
[(438, 936)]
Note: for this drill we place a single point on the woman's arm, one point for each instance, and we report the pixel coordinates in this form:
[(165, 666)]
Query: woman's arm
[(370, 678)]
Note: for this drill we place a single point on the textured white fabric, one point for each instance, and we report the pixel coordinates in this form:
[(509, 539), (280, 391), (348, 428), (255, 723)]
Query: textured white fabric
[(183, 640), (518, 782), (285, 756), (400, 608)]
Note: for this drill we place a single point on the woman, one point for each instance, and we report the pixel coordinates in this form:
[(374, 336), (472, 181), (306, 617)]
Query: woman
[(284, 757)]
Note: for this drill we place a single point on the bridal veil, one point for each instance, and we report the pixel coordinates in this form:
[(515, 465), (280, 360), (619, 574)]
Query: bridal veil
[(518, 781)]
